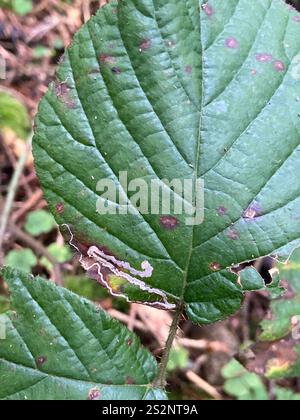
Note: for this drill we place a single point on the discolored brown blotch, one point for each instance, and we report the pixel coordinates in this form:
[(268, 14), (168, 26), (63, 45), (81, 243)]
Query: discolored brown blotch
[(130, 381), (233, 235), (59, 208), (188, 70), (169, 222), (40, 361), (232, 43), (264, 58), (129, 342), (208, 9), (222, 211), (215, 266), (62, 91), (94, 394), (145, 45), (107, 59), (279, 66), (252, 212), (116, 70)]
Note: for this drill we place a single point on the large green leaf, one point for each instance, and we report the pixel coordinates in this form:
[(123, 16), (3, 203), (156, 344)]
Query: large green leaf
[(59, 346), (168, 89)]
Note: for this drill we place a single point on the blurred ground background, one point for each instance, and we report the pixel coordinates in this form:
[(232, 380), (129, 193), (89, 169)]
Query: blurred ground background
[(33, 35)]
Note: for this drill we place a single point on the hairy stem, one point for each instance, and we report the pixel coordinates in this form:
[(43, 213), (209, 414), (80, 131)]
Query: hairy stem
[(160, 381)]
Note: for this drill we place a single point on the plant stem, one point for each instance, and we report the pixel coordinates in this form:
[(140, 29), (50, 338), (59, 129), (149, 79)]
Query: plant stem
[(12, 190), (160, 381)]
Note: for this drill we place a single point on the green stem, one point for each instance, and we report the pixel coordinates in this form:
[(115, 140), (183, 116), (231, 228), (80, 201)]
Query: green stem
[(160, 381)]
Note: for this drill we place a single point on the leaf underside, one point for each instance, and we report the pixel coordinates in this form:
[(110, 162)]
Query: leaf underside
[(180, 89), (61, 347)]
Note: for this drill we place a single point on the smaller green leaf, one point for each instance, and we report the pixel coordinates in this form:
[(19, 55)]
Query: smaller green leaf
[(179, 359), (242, 384), (251, 280), (82, 286), (23, 259), (22, 7), (39, 222), (14, 115), (41, 51), (61, 253), (286, 395), (61, 347)]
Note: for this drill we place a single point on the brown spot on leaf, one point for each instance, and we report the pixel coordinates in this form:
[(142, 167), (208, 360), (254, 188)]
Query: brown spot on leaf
[(232, 43), (94, 394), (222, 211), (145, 45), (264, 58), (208, 10), (130, 381), (107, 59), (40, 361), (59, 208), (233, 235), (169, 222), (215, 266), (253, 211), (62, 91), (116, 70), (188, 70), (279, 66), (129, 342)]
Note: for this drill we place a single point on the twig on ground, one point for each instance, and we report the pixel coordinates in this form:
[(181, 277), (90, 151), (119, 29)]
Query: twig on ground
[(215, 346), (125, 319), (12, 193), (28, 205), (203, 385)]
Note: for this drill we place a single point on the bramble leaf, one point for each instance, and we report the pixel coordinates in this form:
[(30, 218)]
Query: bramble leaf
[(58, 346), (165, 89)]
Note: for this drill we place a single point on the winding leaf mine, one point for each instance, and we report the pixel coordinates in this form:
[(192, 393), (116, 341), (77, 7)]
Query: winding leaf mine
[(102, 262), (173, 89)]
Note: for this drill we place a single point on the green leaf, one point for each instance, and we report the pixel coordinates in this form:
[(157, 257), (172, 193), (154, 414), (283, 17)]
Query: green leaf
[(251, 280), (286, 395), (60, 346), (14, 115), (164, 89), (23, 259), (22, 7), (179, 359), (243, 385), (61, 253), (38, 222), (247, 386)]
